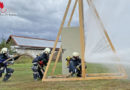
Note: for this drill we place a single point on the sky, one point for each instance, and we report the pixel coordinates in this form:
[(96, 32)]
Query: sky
[(42, 18), (39, 19), (114, 17)]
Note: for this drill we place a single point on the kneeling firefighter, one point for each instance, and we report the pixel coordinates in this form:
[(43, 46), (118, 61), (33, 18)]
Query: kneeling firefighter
[(3, 64), (74, 64), (39, 63)]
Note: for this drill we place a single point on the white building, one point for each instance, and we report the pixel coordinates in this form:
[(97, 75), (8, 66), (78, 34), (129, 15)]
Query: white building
[(30, 46)]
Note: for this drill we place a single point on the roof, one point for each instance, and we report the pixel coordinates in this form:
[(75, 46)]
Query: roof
[(32, 42)]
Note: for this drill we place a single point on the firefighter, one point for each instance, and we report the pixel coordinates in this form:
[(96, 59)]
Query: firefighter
[(3, 64), (39, 63), (75, 65)]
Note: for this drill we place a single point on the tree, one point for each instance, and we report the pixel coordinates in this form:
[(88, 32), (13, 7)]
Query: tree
[(7, 45)]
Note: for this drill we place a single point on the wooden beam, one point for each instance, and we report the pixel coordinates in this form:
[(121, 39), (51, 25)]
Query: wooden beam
[(91, 76), (82, 41), (57, 58), (59, 33), (72, 13), (95, 74), (86, 78), (104, 74)]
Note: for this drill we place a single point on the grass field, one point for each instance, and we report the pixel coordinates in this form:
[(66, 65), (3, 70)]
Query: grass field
[(22, 80)]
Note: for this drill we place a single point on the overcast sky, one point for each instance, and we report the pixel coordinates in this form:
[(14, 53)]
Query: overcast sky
[(35, 18), (42, 19), (115, 16)]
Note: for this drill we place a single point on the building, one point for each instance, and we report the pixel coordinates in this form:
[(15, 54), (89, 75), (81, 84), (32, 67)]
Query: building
[(31, 46)]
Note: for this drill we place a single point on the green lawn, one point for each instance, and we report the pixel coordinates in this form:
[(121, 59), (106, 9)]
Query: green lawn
[(22, 80)]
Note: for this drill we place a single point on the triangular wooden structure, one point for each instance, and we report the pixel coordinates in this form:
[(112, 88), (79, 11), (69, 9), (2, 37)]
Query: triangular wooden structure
[(121, 75)]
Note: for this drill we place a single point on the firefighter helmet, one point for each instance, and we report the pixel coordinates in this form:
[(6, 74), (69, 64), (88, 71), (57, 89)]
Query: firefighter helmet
[(75, 54), (48, 50), (4, 50)]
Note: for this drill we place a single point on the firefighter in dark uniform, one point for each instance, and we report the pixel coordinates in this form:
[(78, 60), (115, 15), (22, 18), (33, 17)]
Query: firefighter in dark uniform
[(39, 63), (75, 65), (3, 64)]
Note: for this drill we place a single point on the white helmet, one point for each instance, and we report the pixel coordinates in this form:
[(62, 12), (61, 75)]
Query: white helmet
[(48, 50), (75, 54), (4, 50)]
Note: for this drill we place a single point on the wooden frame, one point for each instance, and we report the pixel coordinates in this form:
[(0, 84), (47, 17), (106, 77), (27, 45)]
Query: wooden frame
[(82, 41), (121, 75), (72, 13), (59, 33)]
